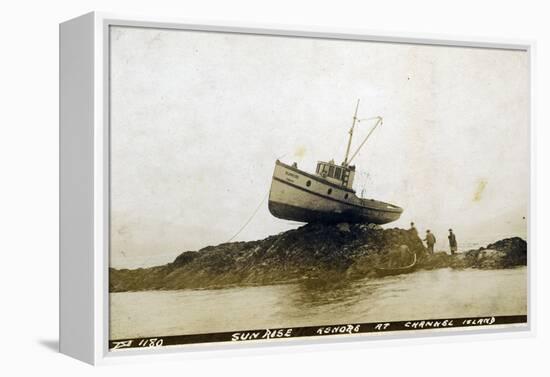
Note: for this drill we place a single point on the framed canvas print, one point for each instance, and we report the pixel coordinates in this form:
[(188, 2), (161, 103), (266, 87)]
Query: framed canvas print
[(227, 186)]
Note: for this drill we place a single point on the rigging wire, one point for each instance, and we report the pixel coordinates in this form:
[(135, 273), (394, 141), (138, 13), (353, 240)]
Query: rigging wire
[(378, 122)]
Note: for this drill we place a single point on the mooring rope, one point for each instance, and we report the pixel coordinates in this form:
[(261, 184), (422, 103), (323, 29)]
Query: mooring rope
[(255, 211), (250, 218)]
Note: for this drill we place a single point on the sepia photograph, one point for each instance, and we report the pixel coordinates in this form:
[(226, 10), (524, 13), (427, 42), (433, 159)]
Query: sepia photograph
[(268, 187)]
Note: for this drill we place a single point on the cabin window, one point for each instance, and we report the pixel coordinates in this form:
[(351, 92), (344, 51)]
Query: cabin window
[(329, 191), (331, 171), (346, 196), (308, 183), (318, 168), (338, 173)]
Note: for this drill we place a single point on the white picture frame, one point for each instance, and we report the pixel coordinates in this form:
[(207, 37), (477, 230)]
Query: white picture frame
[(84, 184)]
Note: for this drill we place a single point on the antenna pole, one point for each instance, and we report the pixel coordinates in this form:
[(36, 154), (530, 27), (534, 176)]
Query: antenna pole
[(351, 133)]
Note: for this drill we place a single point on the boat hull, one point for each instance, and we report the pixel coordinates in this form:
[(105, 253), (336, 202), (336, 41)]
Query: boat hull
[(299, 196)]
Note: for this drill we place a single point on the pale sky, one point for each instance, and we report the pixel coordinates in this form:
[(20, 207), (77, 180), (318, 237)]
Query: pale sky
[(198, 120)]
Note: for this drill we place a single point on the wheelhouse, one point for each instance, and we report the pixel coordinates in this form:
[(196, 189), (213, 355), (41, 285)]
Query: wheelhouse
[(338, 174)]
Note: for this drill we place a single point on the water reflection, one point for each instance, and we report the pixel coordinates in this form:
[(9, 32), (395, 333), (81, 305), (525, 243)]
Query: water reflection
[(322, 291), (330, 300)]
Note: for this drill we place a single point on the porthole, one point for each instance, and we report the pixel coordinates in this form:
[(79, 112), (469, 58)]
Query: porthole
[(308, 183), (329, 191), (346, 196)]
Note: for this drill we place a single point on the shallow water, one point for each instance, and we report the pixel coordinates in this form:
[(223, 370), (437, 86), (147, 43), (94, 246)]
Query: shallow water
[(442, 293)]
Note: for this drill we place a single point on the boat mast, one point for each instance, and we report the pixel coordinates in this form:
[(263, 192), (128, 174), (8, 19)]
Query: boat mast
[(351, 134)]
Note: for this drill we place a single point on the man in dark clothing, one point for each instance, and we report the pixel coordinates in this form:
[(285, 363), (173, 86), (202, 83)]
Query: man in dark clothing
[(452, 242), (430, 241)]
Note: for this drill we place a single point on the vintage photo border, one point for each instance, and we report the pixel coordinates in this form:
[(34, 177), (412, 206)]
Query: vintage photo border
[(101, 205)]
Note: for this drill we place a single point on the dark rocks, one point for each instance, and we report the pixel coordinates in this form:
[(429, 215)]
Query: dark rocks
[(184, 258), (313, 251), (436, 260), (514, 249), (506, 253)]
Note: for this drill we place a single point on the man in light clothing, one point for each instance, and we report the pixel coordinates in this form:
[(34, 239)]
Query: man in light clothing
[(430, 241)]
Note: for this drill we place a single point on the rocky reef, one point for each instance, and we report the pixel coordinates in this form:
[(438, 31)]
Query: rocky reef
[(313, 251), (506, 253)]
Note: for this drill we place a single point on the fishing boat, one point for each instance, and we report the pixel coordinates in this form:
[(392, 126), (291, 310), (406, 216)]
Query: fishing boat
[(327, 196), (386, 271)]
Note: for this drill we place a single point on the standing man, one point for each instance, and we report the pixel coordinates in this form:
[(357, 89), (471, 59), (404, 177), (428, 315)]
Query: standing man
[(430, 241), (452, 242)]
